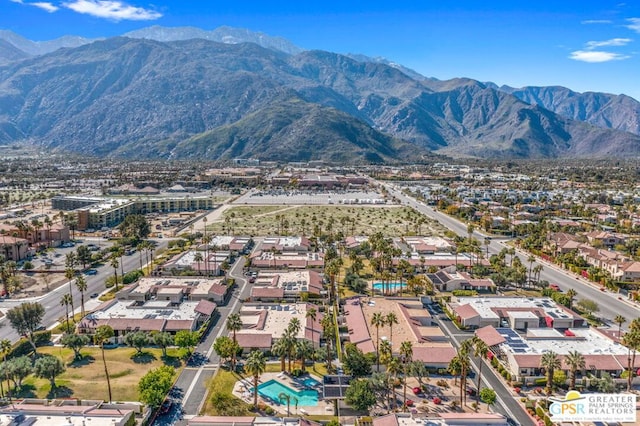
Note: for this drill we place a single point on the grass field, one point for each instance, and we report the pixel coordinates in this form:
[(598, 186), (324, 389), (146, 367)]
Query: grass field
[(299, 220), (85, 379)]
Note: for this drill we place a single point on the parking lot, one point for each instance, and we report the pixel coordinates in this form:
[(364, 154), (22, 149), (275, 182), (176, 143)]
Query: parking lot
[(280, 197)]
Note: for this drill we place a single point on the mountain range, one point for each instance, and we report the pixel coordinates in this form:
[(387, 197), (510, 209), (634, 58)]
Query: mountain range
[(189, 93)]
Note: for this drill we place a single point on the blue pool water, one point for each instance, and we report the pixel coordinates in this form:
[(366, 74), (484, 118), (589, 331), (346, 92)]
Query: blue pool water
[(273, 388), (388, 286), (310, 382)]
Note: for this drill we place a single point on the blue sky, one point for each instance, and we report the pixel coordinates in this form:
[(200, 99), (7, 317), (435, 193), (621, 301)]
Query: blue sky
[(584, 45)]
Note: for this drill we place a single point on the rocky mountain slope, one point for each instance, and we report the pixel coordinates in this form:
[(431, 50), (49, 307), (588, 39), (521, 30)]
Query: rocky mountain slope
[(199, 98)]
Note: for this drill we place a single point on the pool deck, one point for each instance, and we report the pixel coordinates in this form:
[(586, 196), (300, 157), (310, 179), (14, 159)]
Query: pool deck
[(242, 390)]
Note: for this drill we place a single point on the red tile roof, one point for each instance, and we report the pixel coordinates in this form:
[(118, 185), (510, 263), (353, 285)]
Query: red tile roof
[(205, 307), (267, 292), (490, 336), (434, 355), (466, 311), (388, 420), (250, 340)]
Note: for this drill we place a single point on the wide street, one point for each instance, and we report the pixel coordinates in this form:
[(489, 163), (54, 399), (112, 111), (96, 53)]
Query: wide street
[(608, 302), (51, 301)]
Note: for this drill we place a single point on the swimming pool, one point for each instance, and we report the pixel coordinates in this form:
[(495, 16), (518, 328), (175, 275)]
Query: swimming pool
[(273, 388), (310, 382), (389, 286)]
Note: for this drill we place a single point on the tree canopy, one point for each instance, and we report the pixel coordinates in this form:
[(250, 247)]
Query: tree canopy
[(154, 386)]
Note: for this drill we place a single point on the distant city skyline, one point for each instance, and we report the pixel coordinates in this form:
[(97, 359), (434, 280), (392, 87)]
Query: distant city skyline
[(585, 46)]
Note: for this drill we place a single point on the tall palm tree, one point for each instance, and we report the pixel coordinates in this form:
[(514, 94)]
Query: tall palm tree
[(571, 293), (234, 324), (312, 314), (464, 357), (198, 258), (575, 361), (65, 301), (390, 319), (406, 354), (70, 274), (280, 350), (393, 368), (531, 259), (81, 285), (114, 264), (377, 320), (103, 334), (631, 340), (119, 251), (619, 319), (303, 351), (480, 350), (550, 362), (256, 365), (206, 239)]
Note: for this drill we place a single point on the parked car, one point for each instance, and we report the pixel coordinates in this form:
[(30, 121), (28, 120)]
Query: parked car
[(91, 272), (166, 406), (94, 295)]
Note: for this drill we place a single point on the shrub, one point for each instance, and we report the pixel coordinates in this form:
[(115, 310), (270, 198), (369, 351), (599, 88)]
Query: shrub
[(437, 401), (517, 390), (270, 411), (442, 383)]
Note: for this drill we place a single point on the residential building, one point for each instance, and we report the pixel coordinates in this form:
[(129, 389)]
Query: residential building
[(449, 279), (514, 312), (270, 286), (264, 323), (430, 344), (68, 412)]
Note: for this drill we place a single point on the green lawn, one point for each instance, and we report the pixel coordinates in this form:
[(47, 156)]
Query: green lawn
[(85, 379), (351, 220)]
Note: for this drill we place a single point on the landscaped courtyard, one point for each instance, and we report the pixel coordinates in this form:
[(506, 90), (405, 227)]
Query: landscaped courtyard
[(85, 378)]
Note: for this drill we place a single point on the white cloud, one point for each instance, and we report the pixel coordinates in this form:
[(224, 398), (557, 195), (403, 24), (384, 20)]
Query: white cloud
[(596, 21), (45, 5), (595, 56), (115, 10), (606, 43), (49, 7), (634, 24)]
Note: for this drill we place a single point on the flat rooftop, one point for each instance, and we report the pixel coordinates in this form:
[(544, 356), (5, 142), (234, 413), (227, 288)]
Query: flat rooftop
[(538, 341), (276, 318), (199, 285), (485, 306), (153, 309)]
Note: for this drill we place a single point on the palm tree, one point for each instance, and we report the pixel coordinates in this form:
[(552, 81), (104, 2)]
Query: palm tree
[(619, 319), (571, 293), (575, 361), (65, 301), (393, 368), (531, 259), (549, 362), (103, 334), (283, 396), (234, 323), (81, 285), (303, 351), (70, 274), (114, 265), (391, 318), (280, 349), (312, 314), (465, 364), (198, 258), (255, 366), (377, 320), (406, 354), (119, 251), (631, 340), (206, 239), (480, 350)]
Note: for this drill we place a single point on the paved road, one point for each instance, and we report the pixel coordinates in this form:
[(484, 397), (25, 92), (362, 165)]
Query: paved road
[(192, 383), (609, 304), (51, 301), (506, 406)]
